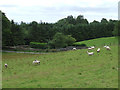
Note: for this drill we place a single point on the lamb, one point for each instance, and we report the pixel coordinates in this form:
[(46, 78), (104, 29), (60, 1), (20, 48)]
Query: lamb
[(6, 65), (90, 53), (74, 48), (36, 62), (98, 50)]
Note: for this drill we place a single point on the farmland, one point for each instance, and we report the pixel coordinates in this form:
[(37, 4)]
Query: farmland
[(68, 69)]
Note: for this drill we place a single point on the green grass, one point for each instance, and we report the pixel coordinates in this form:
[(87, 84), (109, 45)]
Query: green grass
[(69, 69), (100, 41)]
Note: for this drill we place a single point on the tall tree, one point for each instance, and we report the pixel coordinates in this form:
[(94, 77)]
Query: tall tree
[(116, 30), (104, 21), (17, 34), (80, 20), (6, 32)]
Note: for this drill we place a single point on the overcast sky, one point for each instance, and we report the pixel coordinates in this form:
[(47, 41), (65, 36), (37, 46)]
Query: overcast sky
[(53, 10)]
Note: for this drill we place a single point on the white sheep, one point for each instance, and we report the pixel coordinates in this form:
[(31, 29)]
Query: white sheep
[(6, 65), (36, 62), (98, 50), (90, 53), (74, 48), (89, 48), (92, 47), (107, 47)]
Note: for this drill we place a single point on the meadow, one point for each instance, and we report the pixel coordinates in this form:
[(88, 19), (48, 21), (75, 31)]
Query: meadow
[(67, 69), (100, 41)]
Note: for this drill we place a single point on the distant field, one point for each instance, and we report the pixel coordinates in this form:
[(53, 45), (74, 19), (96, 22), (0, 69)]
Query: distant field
[(68, 69), (100, 41)]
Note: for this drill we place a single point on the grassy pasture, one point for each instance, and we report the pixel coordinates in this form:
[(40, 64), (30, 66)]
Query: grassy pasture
[(69, 69), (100, 41)]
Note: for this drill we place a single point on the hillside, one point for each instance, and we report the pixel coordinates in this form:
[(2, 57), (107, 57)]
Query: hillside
[(100, 41), (69, 69)]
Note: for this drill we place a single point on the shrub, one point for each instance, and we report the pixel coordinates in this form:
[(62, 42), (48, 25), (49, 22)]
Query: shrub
[(38, 45), (60, 41), (70, 40)]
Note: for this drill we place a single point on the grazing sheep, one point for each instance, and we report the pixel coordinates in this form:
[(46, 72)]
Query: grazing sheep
[(89, 48), (92, 47), (90, 53), (74, 48), (107, 47), (6, 65), (98, 50), (36, 62)]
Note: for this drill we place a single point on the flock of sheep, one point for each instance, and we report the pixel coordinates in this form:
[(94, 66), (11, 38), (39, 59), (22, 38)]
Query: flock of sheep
[(92, 47), (36, 62), (98, 50)]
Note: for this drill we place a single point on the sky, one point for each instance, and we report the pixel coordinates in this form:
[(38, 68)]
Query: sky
[(53, 10)]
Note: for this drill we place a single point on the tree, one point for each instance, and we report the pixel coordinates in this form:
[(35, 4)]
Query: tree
[(116, 31), (58, 41), (70, 19), (61, 40), (17, 37), (70, 40), (95, 22), (80, 20), (6, 32), (104, 21), (25, 30), (79, 29)]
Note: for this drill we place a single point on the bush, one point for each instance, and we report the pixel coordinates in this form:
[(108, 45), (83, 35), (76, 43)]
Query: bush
[(81, 45), (70, 40), (38, 45), (60, 41)]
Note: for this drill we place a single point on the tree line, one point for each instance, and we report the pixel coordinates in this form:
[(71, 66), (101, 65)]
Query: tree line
[(77, 29)]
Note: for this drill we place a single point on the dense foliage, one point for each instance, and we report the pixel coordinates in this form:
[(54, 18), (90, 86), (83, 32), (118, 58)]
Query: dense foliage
[(78, 28), (61, 40)]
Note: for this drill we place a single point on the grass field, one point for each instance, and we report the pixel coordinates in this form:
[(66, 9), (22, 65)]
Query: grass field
[(69, 69), (100, 41)]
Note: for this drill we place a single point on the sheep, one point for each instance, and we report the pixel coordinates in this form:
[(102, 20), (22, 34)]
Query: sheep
[(89, 48), (92, 47), (6, 65), (36, 62), (90, 53), (107, 47), (74, 48), (98, 50)]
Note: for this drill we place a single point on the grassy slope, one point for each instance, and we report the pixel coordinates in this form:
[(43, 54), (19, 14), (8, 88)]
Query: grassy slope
[(100, 41), (62, 69)]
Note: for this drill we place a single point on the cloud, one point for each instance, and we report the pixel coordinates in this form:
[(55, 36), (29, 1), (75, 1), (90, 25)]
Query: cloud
[(94, 9), (53, 10), (8, 6)]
